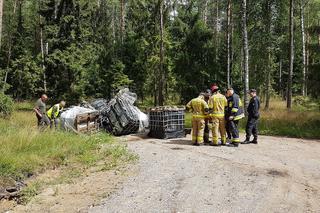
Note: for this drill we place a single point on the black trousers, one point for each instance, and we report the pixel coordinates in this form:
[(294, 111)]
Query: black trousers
[(228, 129), (233, 128), (252, 127)]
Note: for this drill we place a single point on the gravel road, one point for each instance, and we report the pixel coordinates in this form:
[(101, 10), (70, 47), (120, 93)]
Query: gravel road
[(277, 175)]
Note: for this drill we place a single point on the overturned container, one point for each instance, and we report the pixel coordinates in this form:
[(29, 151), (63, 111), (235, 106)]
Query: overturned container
[(119, 116), (166, 122)]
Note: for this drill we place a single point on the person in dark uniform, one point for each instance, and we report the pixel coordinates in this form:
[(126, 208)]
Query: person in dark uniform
[(253, 117), (234, 114), (229, 137)]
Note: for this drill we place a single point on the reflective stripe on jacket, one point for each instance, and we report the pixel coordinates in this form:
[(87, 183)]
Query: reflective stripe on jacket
[(217, 104), (54, 111), (198, 107), (234, 107)]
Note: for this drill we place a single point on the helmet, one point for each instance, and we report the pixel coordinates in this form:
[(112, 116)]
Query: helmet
[(214, 88)]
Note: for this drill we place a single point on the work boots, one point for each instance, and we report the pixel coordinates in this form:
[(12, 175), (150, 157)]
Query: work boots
[(233, 145), (247, 141), (255, 140), (196, 144)]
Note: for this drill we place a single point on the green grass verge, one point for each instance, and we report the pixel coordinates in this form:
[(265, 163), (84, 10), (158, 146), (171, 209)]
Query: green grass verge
[(25, 151)]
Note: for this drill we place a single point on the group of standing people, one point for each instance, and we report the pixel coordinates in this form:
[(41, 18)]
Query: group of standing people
[(50, 117), (220, 114)]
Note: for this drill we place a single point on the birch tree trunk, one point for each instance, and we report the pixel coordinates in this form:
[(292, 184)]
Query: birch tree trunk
[(1, 14), (205, 12), (303, 37), (122, 19), (43, 61), (161, 54), (216, 33), (245, 52), (113, 27), (228, 42), (307, 52), (291, 59), (10, 41), (217, 30), (268, 81), (280, 79), (269, 62)]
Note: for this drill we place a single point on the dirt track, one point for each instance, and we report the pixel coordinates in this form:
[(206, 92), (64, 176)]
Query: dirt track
[(277, 175)]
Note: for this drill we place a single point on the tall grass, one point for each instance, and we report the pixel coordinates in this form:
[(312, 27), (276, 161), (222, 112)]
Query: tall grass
[(25, 151), (300, 122)]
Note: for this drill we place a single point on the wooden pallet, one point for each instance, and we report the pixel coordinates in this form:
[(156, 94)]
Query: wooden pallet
[(87, 122)]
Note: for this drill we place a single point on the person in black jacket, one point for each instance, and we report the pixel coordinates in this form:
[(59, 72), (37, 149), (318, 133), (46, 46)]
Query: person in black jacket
[(234, 113), (253, 117)]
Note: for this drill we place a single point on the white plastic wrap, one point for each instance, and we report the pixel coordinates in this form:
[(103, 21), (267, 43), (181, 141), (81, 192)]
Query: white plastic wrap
[(143, 122), (68, 117)]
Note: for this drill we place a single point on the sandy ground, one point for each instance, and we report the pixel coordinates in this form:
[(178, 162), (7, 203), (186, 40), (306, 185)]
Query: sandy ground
[(76, 195), (277, 175)]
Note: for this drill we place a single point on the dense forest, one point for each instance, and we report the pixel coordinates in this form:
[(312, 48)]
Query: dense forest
[(166, 51)]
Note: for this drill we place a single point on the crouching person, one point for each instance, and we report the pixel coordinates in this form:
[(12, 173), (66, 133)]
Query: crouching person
[(54, 113), (199, 109)]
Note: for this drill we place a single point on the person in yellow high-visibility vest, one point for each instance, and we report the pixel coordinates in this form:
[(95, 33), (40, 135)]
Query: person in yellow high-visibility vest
[(54, 113), (199, 109), (217, 104)]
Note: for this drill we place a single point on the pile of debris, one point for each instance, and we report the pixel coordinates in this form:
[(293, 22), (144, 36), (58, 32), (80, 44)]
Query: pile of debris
[(11, 191), (118, 116)]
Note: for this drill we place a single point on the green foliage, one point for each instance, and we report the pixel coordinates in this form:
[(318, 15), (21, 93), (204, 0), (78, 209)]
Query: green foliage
[(30, 191), (117, 77), (195, 63), (6, 105), (304, 103), (26, 73), (87, 53)]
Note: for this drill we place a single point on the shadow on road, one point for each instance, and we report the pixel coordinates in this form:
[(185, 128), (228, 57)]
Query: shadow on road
[(180, 142)]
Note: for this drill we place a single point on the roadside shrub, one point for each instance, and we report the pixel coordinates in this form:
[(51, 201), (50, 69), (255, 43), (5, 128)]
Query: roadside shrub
[(305, 104), (301, 100), (6, 105)]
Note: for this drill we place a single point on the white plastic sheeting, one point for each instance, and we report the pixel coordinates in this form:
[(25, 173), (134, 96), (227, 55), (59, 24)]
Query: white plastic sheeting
[(143, 122), (68, 117)]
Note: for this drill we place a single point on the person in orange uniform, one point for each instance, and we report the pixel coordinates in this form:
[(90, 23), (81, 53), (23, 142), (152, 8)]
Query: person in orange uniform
[(199, 109), (217, 105)]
